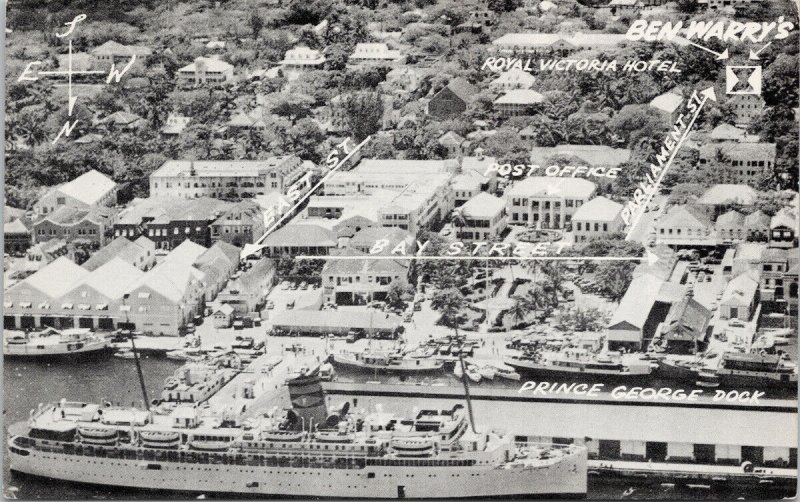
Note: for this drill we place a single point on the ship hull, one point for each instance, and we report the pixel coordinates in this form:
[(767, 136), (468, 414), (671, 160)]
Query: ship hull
[(565, 479), (530, 369), (672, 371), (756, 379), (427, 367), (58, 351)]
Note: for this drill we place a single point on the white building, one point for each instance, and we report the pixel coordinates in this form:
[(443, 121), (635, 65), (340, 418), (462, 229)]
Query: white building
[(518, 102), (597, 218), (512, 79), (225, 178), (205, 70), (484, 218), (556, 43), (89, 190), (547, 202), (374, 53)]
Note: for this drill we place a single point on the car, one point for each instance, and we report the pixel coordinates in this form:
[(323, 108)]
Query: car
[(417, 306), (407, 317), (285, 285), (736, 323), (446, 231), (290, 305), (292, 285), (304, 285), (708, 278), (270, 305)]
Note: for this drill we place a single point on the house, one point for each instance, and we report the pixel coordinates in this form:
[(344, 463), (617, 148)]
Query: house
[(684, 329), (124, 120), (139, 253), (301, 59), (747, 163), (373, 238), (230, 179), (206, 70), (774, 264), (223, 316), (730, 227), (597, 218), (299, 239), (247, 289), (720, 197), (644, 306), (746, 107), (401, 81), (219, 264), (483, 217), (357, 282), (748, 257), (478, 21), (668, 104), (245, 121), (240, 224), (783, 229), (479, 164), (757, 226), (175, 125), (623, 7), (454, 144), (70, 224), (727, 132), (518, 102), (560, 44), (16, 237), (685, 226), (466, 186), (45, 252), (374, 53), (546, 201), (512, 79), (117, 53), (740, 297), (90, 189), (451, 100)]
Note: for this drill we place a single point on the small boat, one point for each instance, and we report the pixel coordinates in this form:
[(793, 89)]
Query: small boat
[(124, 354), (474, 374), (487, 372), (506, 372), (457, 371), (708, 379)]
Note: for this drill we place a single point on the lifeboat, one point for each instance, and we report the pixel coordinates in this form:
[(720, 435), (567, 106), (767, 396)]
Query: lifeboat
[(97, 435), (278, 435), (333, 437), (209, 444), (413, 446), (160, 439)]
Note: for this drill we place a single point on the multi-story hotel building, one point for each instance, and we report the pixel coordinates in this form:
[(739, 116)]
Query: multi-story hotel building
[(547, 201), (225, 179)]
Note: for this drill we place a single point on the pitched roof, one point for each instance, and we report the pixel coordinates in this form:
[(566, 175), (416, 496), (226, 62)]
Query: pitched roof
[(736, 150), (300, 235), (519, 97), (682, 214), (729, 194), (598, 209), (551, 185), (483, 205), (185, 254), (741, 290), (726, 132), (451, 138), (220, 250), (635, 306), (211, 64), (225, 309), (113, 278), (89, 188), (353, 267), (757, 220), (121, 118), (732, 218), (462, 88), (118, 248), (784, 218), (57, 277), (667, 102), (367, 237), (15, 227), (514, 76), (112, 48), (687, 320)]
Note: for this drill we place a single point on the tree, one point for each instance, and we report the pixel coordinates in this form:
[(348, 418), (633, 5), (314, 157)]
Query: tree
[(256, 23), (293, 106), (449, 302), (399, 293), (520, 309), (635, 122), (613, 278), (580, 319), (364, 114), (30, 127)]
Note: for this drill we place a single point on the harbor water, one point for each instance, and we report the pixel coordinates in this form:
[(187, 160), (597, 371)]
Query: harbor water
[(27, 383)]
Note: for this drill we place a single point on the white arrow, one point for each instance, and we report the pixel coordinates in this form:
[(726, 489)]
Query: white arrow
[(755, 55), (720, 55), (649, 257), (707, 94)]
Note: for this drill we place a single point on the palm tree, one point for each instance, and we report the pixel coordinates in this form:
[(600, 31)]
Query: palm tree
[(555, 279), (459, 220), (520, 309)]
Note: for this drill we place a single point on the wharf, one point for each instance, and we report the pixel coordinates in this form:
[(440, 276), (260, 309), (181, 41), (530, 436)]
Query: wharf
[(261, 385), (690, 473), (604, 397)]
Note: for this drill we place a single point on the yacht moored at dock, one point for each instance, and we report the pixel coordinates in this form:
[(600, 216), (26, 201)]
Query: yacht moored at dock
[(607, 364), (387, 361), (51, 342)]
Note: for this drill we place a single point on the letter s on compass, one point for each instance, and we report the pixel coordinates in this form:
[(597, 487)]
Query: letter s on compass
[(71, 24)]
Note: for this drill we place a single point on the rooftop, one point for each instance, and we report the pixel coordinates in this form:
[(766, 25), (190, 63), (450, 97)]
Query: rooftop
[(211, 65), (520, 97), (118, 248), (593, 155), (300, 235), (541, 186), (483, 205), (729, 194), (89, 188), (667, 102), (217, 168), (55, 278), (598, 209)]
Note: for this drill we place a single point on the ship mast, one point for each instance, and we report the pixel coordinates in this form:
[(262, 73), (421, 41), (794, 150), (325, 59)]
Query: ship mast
[(464, 381), (136, 359)]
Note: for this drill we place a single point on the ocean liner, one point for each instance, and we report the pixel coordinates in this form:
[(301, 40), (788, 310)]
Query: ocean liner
[(301, 451)]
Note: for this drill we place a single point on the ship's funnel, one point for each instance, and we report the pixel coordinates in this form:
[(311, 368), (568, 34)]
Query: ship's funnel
[(308, 400)]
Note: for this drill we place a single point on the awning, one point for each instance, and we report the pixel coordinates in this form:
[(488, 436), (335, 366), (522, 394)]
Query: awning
[(25, 305), (66, 306), (8, 305), (84, 306), (101, 306), (124, 308), (44, 306), (144, 295)]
